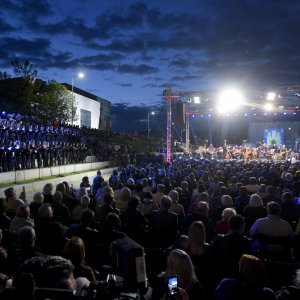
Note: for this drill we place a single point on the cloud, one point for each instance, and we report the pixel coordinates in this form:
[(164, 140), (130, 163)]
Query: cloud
[(137, 69), (185, 78), (125, 84), (5, 27), (25, 46)]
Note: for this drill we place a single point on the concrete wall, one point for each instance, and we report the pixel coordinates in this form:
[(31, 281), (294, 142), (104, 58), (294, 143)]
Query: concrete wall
[(75, 179), (32, 188), (90, 105)]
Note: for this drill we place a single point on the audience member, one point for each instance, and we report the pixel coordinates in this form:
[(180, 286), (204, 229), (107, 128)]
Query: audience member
[(249, 285), (21, 219), (180, 264), (74, 250), (272, 233)]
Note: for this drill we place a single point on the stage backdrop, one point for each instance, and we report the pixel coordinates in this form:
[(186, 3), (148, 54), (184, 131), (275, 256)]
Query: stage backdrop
[(281, 132)]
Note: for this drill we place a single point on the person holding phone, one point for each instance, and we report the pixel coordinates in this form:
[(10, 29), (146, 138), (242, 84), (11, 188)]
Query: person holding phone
[(178, 276)]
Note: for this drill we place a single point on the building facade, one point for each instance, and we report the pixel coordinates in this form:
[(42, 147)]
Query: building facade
[(91, 110)]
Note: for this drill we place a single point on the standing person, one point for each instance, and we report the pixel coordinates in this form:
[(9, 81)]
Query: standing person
[(97, 182)]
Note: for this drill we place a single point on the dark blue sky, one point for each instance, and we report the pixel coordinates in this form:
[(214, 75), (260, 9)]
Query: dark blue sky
[(130, 49)]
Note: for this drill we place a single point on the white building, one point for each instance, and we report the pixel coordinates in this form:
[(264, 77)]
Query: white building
[(89, 109)]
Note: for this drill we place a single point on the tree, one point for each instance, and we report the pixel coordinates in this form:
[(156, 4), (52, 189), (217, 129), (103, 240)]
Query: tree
[(17, 92), (54, 102), (26, 94), (24, 70)]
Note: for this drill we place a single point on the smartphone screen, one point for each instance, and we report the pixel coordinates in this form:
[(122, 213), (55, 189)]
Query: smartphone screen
[(172, 285), (297, 200)]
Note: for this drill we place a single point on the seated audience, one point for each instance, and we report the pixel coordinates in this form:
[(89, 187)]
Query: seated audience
[(272, 234), (176, 207), (103, 210), (290, 210), (60, 210), (228, 248), (11, 202), (25, 249), (201, 214), (84, 204), (48, 193), (179, 264), (50, 234), (222, 227), (254, 211), (67, 200), (38, 199), (249, 285), (148, 206), (74, 250), (21, 219)]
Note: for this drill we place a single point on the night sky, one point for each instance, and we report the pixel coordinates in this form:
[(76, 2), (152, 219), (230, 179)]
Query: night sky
[(130, 49)]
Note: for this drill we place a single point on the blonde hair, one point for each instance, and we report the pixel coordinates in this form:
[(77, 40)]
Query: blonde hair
[(255, 200), (38, 197), (196, 238), (179, 263), (226, 201), (228, 212)]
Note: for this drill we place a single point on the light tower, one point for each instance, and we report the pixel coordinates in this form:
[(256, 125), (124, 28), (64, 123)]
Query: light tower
[(170, 96)]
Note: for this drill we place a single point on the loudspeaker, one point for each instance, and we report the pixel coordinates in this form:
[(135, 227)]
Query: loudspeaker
[(129, 260), (180, 113)]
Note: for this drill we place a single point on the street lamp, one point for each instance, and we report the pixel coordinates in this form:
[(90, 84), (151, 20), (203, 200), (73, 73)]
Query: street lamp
[(79, 75), (152, 113)]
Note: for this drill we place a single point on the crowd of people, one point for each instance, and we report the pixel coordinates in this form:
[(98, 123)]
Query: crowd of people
[(243, 152), (226, 229), (26, 143)]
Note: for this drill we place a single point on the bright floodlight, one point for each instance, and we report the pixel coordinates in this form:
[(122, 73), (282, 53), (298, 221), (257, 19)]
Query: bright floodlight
[(268, 107), (229, 100), (271, 96), (80, 75), (197, 100)]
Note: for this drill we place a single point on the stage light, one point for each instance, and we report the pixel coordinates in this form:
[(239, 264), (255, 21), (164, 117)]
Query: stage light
[(197, 100), (268, 107), (271, 96), (229, 100)]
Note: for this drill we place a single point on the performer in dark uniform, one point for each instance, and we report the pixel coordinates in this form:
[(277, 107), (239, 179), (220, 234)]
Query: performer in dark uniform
[(2, 156)]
